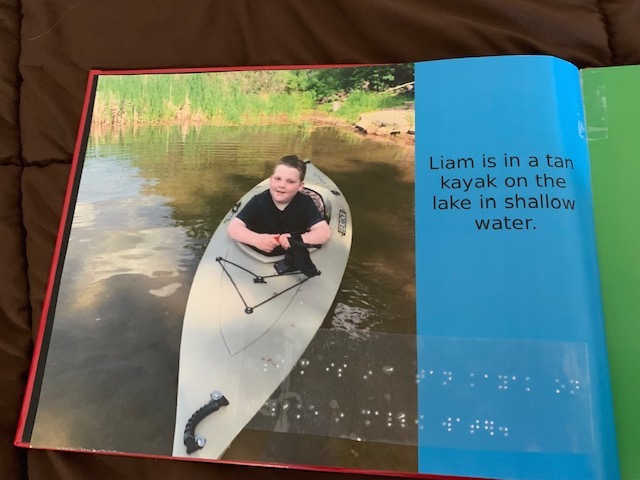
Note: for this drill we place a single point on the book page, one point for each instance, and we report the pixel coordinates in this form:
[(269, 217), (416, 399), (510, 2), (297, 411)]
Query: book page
[(612, 103), (511, 357), (155, 312)]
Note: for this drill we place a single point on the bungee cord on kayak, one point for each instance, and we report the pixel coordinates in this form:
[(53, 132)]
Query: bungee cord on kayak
[(298, 261)]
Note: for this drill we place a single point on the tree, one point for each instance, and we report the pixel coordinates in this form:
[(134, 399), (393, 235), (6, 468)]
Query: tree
[(331, 82)]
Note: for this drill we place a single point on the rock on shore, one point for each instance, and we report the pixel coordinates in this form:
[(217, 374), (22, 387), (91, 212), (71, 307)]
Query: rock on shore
[(393, 122)]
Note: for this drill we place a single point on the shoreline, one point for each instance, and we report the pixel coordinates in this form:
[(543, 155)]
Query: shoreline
[(376, 125), (403, 136)]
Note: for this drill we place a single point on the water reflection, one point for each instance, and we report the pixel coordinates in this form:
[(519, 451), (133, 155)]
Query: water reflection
[(352, 320), (148, 203)]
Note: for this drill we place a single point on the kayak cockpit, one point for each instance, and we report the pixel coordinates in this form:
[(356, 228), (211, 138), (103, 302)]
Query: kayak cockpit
[(324, 208)]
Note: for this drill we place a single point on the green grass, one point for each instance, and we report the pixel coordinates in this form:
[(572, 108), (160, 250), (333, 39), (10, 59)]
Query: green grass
[(223, 98), (229, 98), (359, 102)]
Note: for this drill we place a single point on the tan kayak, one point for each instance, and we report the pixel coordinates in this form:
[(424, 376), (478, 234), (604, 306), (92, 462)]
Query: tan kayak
[(245, 326)]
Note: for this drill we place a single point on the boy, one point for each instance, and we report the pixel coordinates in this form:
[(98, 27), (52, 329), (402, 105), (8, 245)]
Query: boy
[(269, 219)]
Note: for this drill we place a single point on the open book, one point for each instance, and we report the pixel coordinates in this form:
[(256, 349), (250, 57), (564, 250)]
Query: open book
[(456, 324)]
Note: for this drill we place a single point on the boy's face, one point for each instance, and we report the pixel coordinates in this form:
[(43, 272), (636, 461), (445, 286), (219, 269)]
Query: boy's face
[(284, 184)]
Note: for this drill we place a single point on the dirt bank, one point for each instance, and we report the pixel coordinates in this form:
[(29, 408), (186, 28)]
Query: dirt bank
[(396, 125)]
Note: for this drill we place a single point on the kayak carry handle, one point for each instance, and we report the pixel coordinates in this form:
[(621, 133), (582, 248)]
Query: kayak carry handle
[(195, 442)]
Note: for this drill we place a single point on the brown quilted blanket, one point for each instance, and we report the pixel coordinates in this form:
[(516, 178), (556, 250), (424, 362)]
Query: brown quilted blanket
[(47, 48)]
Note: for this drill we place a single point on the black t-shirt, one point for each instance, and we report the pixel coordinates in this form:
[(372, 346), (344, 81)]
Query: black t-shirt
[(261, 215)]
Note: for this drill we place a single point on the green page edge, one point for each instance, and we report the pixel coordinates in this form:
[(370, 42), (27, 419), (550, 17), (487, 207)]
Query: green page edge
[(612, 106)]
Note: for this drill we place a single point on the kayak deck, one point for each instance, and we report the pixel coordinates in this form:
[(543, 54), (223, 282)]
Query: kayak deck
[(241, 355)]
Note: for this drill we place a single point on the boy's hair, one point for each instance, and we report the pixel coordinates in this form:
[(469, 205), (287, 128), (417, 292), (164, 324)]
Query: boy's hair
[(293, 161)]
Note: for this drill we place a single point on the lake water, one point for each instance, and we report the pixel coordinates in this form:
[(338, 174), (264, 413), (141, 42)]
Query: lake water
[(149, 200)]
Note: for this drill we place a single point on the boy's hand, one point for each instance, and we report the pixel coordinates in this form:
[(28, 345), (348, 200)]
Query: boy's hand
[(266, 242), (284, 241)]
